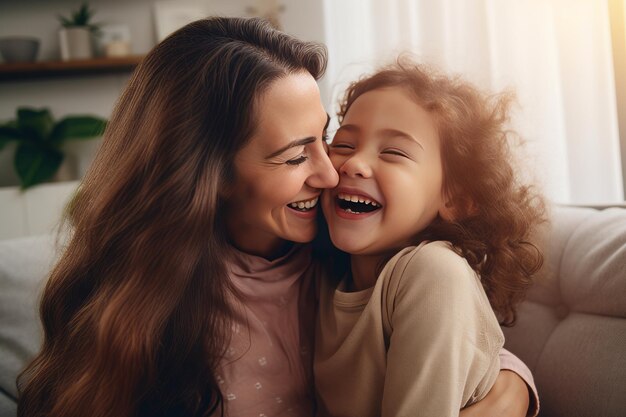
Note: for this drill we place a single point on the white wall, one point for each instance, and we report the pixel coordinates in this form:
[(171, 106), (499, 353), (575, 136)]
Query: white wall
[(96, 94), (36, 212)]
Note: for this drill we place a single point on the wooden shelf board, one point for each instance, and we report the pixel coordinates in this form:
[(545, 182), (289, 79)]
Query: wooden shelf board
[(50, 69)]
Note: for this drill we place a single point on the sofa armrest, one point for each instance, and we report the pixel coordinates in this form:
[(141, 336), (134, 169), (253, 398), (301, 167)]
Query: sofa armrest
[(571, 330), (24, 265)]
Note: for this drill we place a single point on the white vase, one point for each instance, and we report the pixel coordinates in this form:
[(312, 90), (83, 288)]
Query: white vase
[(75, 43)]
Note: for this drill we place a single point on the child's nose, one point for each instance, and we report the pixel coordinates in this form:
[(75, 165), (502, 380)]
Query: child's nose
[(356, 166)]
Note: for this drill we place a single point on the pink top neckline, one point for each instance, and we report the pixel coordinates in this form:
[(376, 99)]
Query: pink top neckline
[(267, 369)]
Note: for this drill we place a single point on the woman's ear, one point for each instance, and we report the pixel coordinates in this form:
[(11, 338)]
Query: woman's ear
[(226, 185), (225, 191)]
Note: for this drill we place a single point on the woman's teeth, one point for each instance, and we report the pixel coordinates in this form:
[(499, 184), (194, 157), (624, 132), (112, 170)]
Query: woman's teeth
[(304, 205)]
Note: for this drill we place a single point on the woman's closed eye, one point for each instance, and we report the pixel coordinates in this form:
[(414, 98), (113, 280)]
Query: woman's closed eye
[(298, 160)]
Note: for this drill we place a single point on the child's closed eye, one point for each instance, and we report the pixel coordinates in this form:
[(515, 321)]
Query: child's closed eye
[(396, 152), (341, 148)]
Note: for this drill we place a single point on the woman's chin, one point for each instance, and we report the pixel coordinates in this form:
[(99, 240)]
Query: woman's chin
[(301, 235)]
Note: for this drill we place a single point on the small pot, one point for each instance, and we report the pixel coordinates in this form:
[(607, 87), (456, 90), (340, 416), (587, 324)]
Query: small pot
[(19, 48), (75, 43)]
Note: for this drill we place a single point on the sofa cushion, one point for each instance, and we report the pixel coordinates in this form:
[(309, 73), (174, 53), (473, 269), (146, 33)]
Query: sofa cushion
[(571, 331), (24, 263)]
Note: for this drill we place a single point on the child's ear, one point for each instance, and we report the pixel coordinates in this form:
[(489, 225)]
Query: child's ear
[(447, 211), (457, 209)]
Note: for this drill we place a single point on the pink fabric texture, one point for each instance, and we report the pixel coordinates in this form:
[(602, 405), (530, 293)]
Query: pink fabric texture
[(510, 362), (267, 370)]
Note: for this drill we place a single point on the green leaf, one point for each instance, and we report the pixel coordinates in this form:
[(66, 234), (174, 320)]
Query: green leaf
[(77, 127), (9, 133), (11, 123), (36, 124), (36, 164), (65, 22), (78, 18), (82, 15)]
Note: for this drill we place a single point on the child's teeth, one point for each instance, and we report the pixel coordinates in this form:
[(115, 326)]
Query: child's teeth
[(357, 199)]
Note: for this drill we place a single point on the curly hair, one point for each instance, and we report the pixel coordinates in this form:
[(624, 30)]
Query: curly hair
[(495, 214)]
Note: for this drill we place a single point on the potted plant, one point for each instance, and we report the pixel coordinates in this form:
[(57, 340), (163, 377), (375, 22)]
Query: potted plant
[(39, 138), (75, 34)]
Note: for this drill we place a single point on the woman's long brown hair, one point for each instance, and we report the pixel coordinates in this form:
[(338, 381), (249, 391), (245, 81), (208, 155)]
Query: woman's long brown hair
[(496, 216), (134, 312)]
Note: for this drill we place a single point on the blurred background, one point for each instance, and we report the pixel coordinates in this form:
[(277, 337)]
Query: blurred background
[(63, 60)]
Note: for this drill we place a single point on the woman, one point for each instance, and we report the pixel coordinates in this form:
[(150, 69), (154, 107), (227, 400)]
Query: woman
[(180, 292)]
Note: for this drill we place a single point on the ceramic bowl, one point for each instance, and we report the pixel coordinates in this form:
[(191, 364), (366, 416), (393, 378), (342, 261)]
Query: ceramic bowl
[(19, 49)]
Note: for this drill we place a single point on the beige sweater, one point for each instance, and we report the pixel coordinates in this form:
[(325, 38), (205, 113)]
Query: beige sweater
[(423, 341)]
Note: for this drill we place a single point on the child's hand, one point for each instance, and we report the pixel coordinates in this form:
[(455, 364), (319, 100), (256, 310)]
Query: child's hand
[(508, 397)]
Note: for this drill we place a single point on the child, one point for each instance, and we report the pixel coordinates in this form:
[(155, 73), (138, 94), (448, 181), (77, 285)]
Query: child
[(439, 233)]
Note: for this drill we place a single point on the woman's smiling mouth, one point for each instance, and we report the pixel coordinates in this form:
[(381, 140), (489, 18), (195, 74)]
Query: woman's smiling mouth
[(304, 205)]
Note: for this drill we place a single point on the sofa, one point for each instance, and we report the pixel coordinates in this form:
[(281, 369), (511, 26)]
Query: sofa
[(571, 330)]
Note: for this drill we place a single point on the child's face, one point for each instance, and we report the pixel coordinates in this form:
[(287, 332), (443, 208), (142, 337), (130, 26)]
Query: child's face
[(388, 157)]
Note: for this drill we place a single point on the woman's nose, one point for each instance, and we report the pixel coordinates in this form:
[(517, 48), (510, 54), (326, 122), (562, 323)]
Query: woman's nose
[(356, 166), (324, 175)]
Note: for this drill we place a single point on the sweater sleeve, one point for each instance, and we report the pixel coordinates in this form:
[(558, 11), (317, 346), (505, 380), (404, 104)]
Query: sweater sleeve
[(510, 362), (444, 338)]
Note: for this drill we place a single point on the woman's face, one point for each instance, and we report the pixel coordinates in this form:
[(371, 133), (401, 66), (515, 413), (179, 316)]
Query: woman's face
[(282, 171)]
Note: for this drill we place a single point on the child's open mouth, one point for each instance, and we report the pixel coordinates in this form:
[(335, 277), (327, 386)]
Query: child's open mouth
[(357, 204)]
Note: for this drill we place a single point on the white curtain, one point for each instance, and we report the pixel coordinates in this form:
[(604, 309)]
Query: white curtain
[(555, 54)]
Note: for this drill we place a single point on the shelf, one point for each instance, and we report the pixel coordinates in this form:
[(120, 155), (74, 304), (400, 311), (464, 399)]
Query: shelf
[(55, 69)]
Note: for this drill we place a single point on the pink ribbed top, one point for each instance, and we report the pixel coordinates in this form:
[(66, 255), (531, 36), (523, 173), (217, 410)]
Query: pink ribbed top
[(267, 368)]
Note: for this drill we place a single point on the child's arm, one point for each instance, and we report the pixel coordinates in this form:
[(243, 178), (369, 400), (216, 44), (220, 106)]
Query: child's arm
[(509, 397), (444, 338), (513, 395)]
